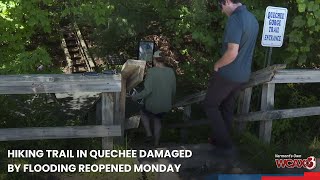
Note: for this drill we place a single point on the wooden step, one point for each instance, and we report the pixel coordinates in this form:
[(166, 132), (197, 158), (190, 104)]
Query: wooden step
[(77, 61), (74, 50), (69, 35), (79, 64), (75, 57), (72, 45), (68, 39)]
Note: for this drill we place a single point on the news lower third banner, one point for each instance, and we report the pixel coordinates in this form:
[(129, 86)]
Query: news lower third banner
[(65, 161), (43, 167)]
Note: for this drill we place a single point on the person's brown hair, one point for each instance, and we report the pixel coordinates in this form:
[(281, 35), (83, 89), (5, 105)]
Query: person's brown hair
[(160, 59), (224, 1)]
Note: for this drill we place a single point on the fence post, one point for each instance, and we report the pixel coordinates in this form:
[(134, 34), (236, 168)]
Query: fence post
[(120, 118), (117, 118), (185, 117), (267, 103), (107, 108), (244, 107)]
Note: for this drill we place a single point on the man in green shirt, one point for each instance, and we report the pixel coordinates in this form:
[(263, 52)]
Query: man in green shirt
[(158, 94)]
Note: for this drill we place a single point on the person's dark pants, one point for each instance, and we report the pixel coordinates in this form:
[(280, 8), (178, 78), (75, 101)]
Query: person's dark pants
[(219, 105)]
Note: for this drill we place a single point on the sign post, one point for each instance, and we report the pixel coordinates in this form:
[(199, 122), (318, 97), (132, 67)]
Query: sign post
[(273, 30)]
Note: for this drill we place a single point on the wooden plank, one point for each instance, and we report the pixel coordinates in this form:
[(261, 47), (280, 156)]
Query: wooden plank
[(107, 108), (257, 116), (128, 71), (98, 112), (117, 119), (135, 79), (274, 67), (133, 72), (68, 56), (279, 114), (267, 103), (84, 49), (296, 76), (67, 88), (61, 84), (264, 75), (244, 108), (258, 77), (122, 105), (194, 98), (33, 133), (57, 78), (67, 83), (107, 82), (197, 97), (240, 102), (131, 66)]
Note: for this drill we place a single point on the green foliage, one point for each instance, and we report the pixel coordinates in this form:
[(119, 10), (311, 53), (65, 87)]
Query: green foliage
[(119, 24), (196, 72), (24, 21), (26, 62), (20, 21), (289, 130), (303, 34)]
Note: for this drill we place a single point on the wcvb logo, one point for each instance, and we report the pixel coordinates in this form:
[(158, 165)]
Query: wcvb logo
[(309, 163)]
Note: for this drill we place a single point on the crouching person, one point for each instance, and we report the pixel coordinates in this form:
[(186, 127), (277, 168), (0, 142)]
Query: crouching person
[(158, 94)]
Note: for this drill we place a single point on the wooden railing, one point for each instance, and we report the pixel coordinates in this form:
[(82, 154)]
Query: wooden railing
[(113, 90), (84, 49), (267, 77)]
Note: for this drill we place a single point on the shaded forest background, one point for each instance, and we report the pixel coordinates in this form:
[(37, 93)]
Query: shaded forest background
[(189, 31)]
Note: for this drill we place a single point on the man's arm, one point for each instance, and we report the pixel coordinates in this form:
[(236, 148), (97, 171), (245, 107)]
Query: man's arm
[(228, 57), (147, 87)]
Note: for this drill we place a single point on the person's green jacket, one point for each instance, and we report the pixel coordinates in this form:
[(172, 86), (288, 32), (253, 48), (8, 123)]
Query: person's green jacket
[(159, 90)]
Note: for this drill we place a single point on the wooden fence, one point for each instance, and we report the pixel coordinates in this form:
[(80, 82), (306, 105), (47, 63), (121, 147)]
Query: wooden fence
[(268, 78), (113, 90)]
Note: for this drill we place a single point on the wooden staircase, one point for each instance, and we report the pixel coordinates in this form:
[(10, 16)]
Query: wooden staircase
[(76, 51)]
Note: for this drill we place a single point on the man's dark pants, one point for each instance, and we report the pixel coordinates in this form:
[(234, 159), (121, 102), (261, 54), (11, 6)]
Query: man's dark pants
[(219, 105)]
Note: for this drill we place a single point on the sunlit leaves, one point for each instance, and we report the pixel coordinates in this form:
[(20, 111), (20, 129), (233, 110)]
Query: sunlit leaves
[(26, 62), (184, 51), (5, 8), (304, 32), (121, 22), (302, 7), (22, 21)]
